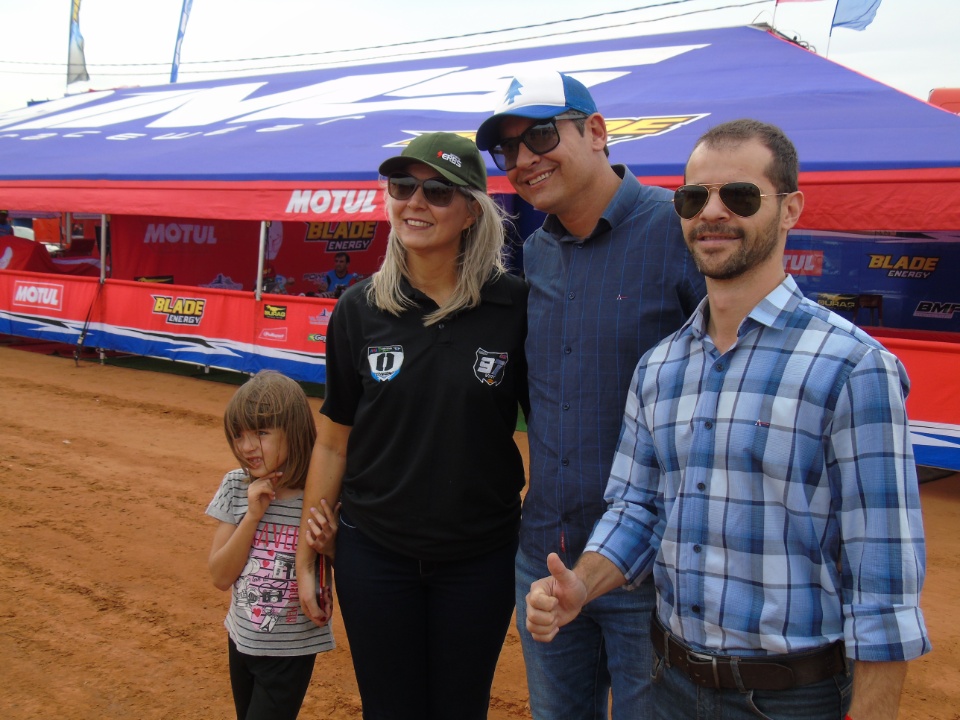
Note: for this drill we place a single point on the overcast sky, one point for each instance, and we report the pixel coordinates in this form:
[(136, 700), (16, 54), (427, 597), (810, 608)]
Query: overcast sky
[(912, 45)]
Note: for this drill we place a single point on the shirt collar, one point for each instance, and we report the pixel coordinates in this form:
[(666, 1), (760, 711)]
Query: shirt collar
[(493, 291), (773, 311), (622, 204)]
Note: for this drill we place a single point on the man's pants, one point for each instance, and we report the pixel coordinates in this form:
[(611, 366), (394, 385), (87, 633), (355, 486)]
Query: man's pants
[(606, 647)]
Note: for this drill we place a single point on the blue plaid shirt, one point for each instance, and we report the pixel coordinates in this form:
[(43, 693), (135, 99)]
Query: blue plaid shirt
[(595, 306), (772, 489)]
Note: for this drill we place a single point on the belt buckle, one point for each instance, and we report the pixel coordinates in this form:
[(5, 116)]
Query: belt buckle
[(695, 658)]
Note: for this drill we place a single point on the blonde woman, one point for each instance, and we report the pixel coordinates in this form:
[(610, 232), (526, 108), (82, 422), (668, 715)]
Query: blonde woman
[(425, 372)]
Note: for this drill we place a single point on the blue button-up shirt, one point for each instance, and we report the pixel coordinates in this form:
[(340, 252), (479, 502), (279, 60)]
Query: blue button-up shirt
[(772, 488), (595, 306)]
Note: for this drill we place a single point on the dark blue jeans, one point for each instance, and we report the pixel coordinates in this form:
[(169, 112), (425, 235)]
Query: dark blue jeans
[(425, 636), (606, 648)]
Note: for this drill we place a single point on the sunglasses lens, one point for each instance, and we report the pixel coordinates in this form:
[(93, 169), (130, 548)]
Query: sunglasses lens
[(541, 138), (401, 187), (741, 198), (689, 200), (438, 192)]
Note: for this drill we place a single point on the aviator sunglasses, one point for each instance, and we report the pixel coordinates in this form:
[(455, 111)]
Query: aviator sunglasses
[(740, 198), (539, 139), (436, 191)]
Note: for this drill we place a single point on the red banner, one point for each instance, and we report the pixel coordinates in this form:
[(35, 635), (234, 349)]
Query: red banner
[(223, 253)]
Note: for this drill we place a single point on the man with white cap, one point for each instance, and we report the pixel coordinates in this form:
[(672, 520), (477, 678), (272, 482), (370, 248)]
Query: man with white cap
[(609, 277)]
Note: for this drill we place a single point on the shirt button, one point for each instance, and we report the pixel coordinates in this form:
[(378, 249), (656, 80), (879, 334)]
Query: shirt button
[(696, 609), (719, 366), (441, 326), (565, 462), (708, 424), (566, 406), (567, 350), (696, 548), (572, 295), (701, 486)]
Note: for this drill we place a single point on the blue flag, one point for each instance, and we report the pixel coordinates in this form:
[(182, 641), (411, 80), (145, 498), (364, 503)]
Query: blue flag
[(76, 62), (854, 14), (184, 16)]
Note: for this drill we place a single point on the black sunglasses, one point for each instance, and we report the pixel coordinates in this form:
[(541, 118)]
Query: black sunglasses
[(741, 198), (436, 191), (539, 139)]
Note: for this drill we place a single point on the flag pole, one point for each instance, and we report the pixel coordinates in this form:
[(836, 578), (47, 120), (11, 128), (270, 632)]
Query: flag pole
[(830, 35)]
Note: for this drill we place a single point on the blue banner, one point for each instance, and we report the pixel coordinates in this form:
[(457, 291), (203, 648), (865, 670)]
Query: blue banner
[(76, 62), (184, 17), (854, 14)]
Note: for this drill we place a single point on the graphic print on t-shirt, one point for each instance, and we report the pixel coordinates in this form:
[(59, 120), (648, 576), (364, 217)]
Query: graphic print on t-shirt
[(267, 588), (489, 366), (385, 361)]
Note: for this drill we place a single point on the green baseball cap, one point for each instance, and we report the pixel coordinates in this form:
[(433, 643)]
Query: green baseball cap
[(455, 157)]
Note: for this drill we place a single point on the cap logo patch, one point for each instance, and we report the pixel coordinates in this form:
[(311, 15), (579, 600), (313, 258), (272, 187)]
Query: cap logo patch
[(489, 366), (513, 92), (450, 158)]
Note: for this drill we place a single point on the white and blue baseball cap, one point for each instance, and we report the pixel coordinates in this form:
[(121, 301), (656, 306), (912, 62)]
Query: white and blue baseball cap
[(536, 96)]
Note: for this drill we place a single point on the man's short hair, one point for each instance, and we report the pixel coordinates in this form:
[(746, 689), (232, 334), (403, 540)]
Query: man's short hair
[(782, 171), (342, 255)]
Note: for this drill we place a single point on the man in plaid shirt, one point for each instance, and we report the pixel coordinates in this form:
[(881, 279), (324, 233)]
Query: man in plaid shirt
[(764, 476)]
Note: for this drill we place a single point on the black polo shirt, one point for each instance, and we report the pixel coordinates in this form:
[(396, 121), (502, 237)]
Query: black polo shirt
[(432, 468)]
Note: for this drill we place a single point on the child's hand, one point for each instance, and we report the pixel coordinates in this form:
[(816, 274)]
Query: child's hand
[(322, 529), (260, 493)]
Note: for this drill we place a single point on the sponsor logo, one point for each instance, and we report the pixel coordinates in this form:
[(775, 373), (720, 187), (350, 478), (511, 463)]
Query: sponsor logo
[(334, 201), (46, 296), (450, 158), (187, 115), (275, 312), (161, 279), (274, 334), (175, 233), (385, 362), (933, 309), (314, 337), (342, 236), (803, 262), (179, 311), (835, 301), (489, 366), (905, 266), (321, 319)]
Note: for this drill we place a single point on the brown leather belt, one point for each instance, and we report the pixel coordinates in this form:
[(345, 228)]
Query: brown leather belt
[(767, 672)]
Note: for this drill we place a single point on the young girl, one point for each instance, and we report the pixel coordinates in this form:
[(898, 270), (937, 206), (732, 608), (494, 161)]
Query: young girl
[(272, 644)]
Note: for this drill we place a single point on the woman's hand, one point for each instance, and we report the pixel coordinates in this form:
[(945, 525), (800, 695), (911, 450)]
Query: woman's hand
[(322, 527)]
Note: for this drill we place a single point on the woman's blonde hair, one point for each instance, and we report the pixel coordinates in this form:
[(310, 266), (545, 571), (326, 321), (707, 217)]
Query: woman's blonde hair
[(480, 260), (272, 401)]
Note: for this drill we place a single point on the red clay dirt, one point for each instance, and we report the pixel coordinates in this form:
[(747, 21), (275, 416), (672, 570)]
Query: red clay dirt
[(110, 612)]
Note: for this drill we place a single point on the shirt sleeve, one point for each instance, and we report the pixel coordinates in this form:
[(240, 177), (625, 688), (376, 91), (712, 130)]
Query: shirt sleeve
[(222, 507), (883, 558), (343, 388), (629, 532)]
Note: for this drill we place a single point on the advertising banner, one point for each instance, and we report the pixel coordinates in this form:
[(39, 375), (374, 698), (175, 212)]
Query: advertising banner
[(207, 326), (223, 253)]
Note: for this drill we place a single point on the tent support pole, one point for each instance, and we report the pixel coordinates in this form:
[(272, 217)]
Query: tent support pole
[(104, 219), (264, 224)]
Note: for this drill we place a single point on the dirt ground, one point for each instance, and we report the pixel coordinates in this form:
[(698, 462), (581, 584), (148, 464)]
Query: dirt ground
[(110, 612)]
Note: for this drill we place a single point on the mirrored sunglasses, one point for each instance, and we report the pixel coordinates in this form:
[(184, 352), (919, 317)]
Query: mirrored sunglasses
[(740, 198), (539, 139), (436, 191)]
